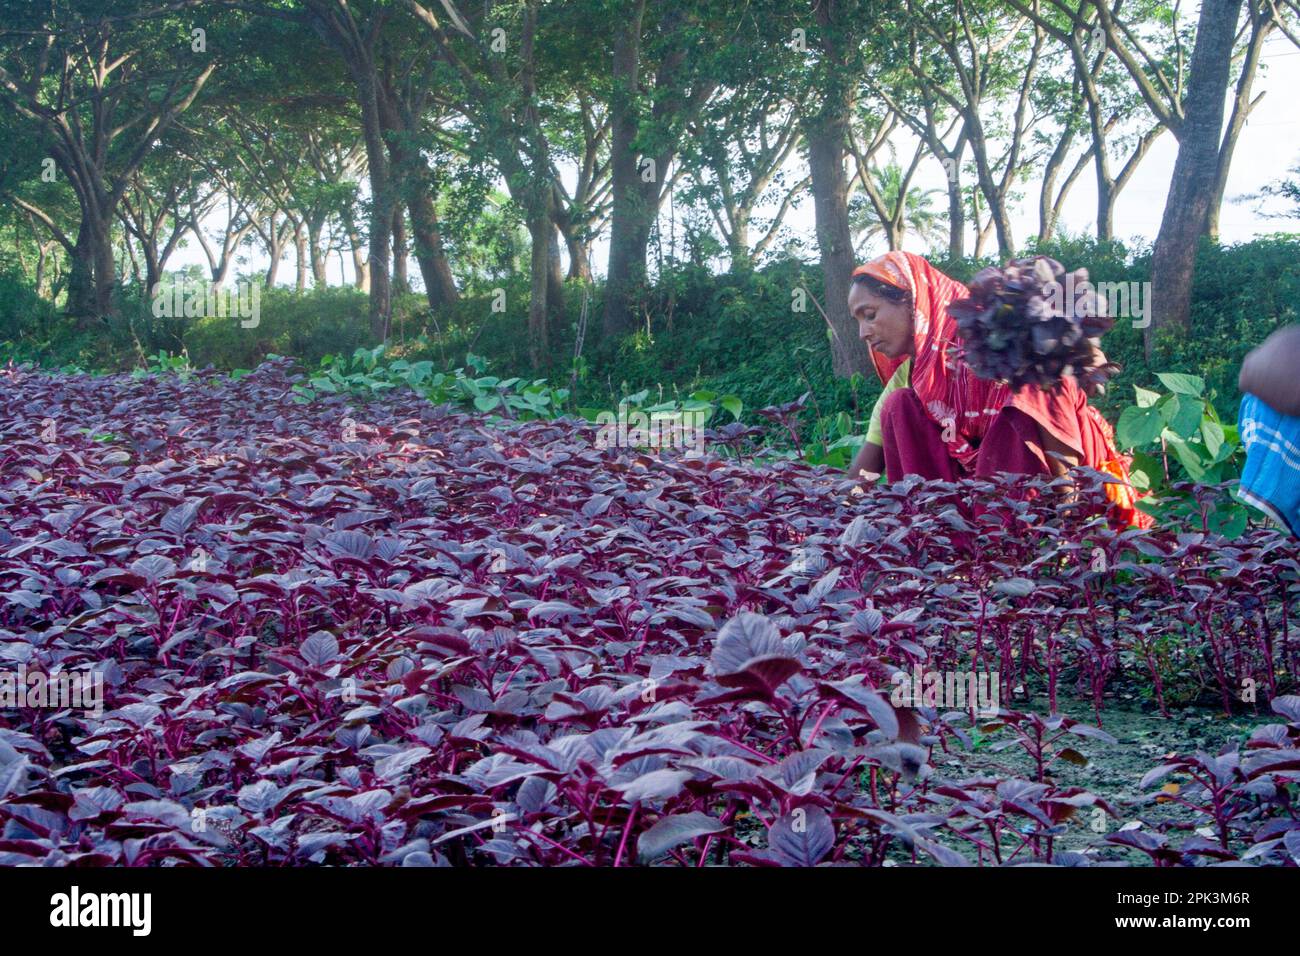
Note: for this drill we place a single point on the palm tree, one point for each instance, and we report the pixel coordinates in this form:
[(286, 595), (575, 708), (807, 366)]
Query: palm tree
[(910, 212)]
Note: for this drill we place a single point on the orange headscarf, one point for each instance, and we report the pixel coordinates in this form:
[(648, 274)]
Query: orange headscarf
[(952, 394)]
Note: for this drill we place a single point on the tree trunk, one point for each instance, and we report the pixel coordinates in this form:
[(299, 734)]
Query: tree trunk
[(579, 250), (1191, 190), (275, 249), (631, 221), (1105, 210), (1047, 207), (956, 218), (152, 267), (827, 141), (539, 226), (359, 264), (1242, 104), (629, 218), (998, 215), (300, 247), (381, 201), (439, 283), (81, 277), (579, 258), (315, 225), (896, 230), (105, 271), (42, 250), (90, 284), (555, 278), (401, 283)]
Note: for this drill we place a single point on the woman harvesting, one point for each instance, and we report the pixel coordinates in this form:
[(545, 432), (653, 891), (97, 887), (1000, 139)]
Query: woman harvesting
[(938, 419)]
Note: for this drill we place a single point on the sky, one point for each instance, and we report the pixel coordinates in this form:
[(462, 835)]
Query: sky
[(1268, 147)]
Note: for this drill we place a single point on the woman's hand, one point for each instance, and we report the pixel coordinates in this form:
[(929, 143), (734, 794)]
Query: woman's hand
[(1100, 369), (1060, 459), (870, 459)]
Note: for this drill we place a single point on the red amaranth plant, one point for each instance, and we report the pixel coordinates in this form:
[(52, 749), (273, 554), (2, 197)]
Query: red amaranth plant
[(392, 633)]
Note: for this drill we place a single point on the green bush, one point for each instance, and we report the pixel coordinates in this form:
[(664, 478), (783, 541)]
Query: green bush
[(307, 325), (731, 334)]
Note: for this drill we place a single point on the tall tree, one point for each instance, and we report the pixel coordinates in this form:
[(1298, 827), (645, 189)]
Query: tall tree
[(1121, 129), (166, 196), (492, 78), (98, 89), (1192, 188), (894, 206), (737, 156), (1150, 41), (661, 79), (405, 108), (982, 62), (353, 31), (833, 67)]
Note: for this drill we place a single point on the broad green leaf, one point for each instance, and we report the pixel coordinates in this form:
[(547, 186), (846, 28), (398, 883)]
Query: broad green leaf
[(732, 404), (1182, 383), (1139, 426), (1229, 521), (1183, 415), (1188, 458), (1151, 466), (1212, 433), (1145, 397), (485, 403)]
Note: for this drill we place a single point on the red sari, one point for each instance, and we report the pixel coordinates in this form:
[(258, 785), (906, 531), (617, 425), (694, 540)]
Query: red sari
[(981, 426)]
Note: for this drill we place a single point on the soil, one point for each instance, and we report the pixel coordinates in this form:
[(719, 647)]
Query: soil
[(1144, 740)]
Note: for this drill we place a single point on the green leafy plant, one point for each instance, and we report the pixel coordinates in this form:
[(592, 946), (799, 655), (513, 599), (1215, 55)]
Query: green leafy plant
[(367, 371), (165, 362), (1178, 436)]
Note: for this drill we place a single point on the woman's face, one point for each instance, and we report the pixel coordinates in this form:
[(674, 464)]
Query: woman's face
[(883, 324)]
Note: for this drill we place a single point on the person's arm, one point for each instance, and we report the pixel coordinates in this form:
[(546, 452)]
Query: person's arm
[(1050, 443), (1271, 372), (871, 459), (871, 456)]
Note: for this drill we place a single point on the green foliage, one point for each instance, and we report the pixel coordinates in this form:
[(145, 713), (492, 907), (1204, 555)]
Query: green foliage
[(165, 363), (1176, 436), (307, 325), (734, 334), (372, 371)]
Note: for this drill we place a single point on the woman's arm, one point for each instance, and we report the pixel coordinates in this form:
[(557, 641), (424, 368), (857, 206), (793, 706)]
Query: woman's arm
[(1272, 371), (1050, 443), (871, 459), (871, 456)]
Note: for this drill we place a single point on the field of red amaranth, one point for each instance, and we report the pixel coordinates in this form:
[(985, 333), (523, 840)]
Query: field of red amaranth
[(393, 633)]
